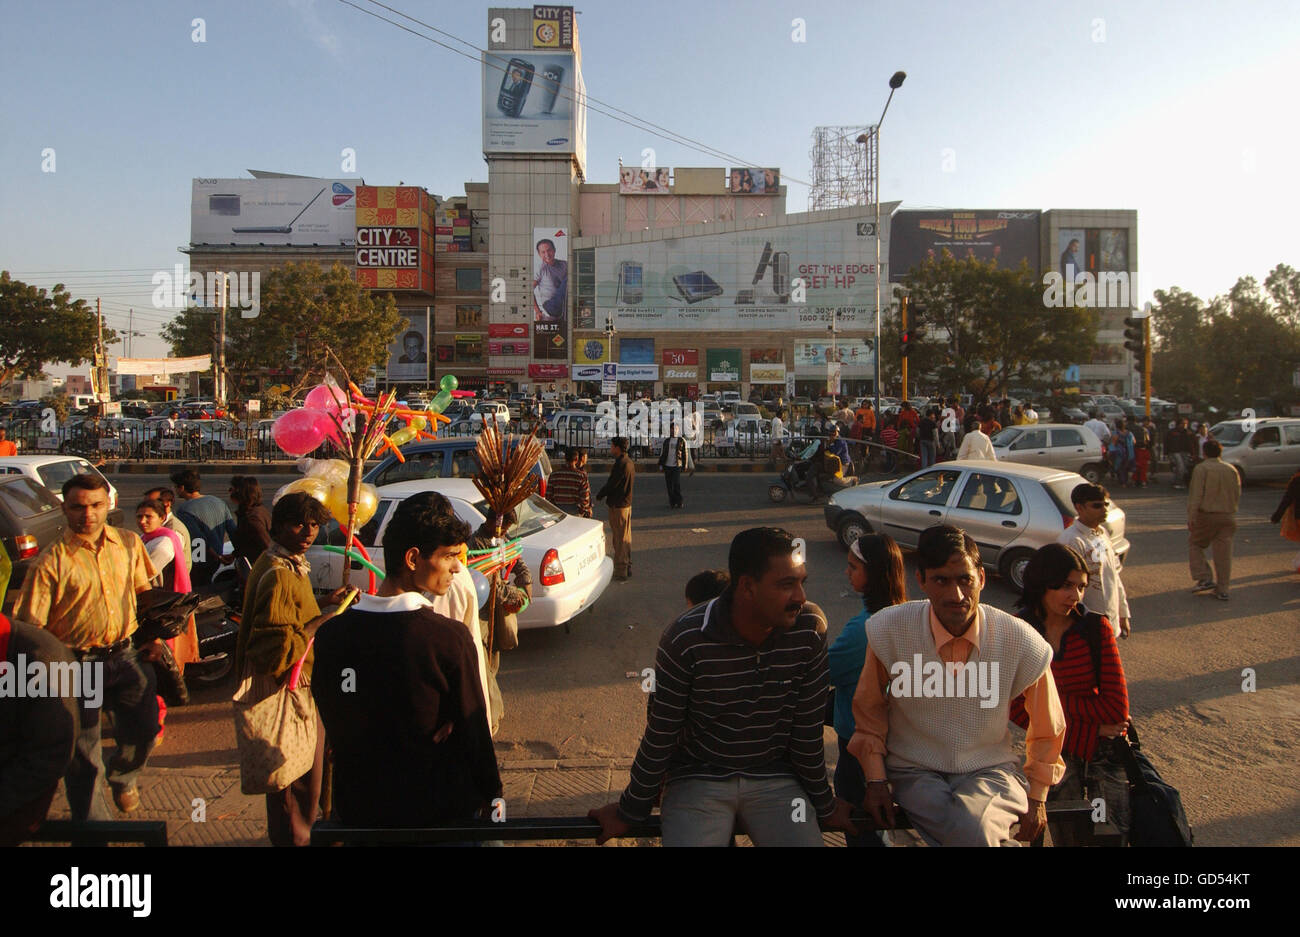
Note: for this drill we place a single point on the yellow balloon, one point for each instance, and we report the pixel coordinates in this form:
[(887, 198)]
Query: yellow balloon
[(403, 436), (419, 422), (367, 503), (312, 486), (336, 502)]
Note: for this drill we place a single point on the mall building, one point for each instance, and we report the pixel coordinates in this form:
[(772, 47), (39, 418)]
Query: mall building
[(670, 280)]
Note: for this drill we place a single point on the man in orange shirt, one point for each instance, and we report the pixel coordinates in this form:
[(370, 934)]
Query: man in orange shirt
[(6, 445), (949, 758)]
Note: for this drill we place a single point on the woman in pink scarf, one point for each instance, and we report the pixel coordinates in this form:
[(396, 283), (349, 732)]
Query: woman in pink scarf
[(165, 548)]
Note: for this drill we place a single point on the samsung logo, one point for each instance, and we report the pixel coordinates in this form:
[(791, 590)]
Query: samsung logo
[(557, 141)]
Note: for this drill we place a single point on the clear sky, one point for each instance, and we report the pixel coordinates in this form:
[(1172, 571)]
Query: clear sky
[(1184, 111)]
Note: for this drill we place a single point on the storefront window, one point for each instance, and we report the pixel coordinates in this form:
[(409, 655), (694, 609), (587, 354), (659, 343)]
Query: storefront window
[(469, 279)]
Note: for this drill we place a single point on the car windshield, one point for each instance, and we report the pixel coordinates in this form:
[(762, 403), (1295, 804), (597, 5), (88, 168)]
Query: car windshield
[(531, 516), (1006, 437), (1228, 434)]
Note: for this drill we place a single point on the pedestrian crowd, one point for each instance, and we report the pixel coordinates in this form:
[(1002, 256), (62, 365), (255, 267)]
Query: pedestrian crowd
[(403, 683)]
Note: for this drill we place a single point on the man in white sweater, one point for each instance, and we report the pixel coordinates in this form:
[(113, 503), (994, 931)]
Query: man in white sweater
[(951, 667), (976, 444)]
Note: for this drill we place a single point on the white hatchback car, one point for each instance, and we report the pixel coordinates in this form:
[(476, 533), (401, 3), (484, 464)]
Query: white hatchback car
[(565, 554), (51, 471)]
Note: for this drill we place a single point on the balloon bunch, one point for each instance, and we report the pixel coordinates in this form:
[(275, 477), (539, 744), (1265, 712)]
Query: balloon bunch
[(326, 480), (418, 422)]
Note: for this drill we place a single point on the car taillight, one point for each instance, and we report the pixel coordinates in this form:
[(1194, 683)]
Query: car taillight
[(552, 571), (27, 546), (541, 487)]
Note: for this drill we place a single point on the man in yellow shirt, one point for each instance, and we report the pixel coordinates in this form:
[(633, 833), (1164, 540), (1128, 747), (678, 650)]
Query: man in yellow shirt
[(82, 590)]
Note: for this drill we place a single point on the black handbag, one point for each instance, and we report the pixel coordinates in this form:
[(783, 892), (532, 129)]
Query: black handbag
[(1155, 807)]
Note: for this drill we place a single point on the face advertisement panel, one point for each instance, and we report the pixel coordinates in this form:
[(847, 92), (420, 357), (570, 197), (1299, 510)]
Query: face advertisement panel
[(790, 279), (276, 212), (550, 293), (408, 357), (1007, 236), (633, 181), (753, 181)]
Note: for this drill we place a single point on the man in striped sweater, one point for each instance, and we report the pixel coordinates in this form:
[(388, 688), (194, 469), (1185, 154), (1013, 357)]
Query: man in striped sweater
[(735, 726)]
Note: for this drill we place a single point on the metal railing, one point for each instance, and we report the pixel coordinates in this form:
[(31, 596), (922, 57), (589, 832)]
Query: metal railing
[(1077, 814)]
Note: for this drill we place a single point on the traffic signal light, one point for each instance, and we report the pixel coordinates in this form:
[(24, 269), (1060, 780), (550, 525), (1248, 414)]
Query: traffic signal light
[(905, 343), (1135, 337)]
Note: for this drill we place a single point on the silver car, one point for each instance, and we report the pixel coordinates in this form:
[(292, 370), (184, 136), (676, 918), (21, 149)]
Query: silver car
[(1056, 445), (1009, 509), (1260, 450)]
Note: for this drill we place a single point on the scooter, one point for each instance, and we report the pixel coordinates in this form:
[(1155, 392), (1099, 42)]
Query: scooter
[(216, 619), (795, 482)]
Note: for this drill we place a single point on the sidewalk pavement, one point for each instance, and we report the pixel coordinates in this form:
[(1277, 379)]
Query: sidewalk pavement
[(204, 807)]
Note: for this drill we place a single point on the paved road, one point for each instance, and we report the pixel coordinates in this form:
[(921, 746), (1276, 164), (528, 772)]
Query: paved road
[(576, 697)]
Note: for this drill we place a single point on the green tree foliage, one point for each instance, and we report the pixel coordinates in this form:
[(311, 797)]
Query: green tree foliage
[(983, 329), (39, 328), (1232, 350), (304, 309), (59, 403)]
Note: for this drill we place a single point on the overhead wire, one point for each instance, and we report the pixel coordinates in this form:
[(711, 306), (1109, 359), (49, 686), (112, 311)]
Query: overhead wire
[(572, 92)]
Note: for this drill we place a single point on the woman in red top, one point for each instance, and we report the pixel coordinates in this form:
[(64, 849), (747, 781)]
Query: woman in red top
[(1089, 680)]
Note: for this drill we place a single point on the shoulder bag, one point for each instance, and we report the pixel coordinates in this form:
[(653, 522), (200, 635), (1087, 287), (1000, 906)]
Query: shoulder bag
[(1156, 809), (275, 727)]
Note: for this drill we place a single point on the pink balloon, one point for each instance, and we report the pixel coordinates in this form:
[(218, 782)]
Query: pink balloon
[(325, 397), (332, 431), (299, 432)]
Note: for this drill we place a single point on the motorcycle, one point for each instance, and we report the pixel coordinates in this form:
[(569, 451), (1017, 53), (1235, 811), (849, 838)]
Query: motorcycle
[(217, 620), (796, 481)]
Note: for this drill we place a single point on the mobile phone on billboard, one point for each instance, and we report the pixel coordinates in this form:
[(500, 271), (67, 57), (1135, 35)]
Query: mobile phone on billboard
[(781, 275), (552, 76), (514, 87), (629, 283)]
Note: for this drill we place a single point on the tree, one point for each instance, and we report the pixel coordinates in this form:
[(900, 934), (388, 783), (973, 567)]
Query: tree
[(1231, 351), (304, 309), (991, 327), (39, 328)]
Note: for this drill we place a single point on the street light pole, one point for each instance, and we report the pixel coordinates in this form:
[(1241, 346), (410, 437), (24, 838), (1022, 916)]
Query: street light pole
[(872, 141)]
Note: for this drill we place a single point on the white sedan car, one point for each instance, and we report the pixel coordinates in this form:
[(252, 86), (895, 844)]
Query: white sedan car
[(565, 554)]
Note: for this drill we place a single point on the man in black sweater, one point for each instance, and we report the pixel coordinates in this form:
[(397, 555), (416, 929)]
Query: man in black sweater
[(617, 495), (399, 692)]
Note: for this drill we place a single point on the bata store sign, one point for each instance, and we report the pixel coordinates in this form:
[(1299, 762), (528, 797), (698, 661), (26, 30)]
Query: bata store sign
[(548, 371), (681, 374)]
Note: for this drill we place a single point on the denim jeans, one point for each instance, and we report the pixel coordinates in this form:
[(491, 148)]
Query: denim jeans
[(130, 694), (927, 453), (703, 812)]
